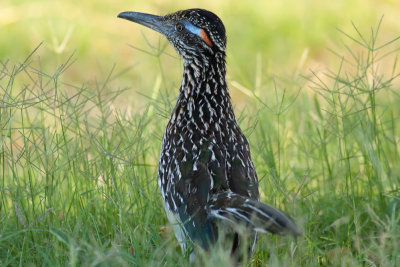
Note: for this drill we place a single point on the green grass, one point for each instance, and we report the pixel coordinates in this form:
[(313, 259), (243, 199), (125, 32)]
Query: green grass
[(78, 169)]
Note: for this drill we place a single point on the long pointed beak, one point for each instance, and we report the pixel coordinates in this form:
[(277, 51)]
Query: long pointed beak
[(151, 21)]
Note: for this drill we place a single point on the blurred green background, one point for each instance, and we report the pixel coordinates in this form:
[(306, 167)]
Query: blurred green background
[(284, 37), (79, 154)]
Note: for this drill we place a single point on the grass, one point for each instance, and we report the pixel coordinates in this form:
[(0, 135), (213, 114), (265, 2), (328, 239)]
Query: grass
[(78, 171)]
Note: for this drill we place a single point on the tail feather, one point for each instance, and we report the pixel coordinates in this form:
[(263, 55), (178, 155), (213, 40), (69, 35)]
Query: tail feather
[(259, 217)]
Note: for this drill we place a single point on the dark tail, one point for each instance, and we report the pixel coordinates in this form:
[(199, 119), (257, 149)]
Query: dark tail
[(259, 217)]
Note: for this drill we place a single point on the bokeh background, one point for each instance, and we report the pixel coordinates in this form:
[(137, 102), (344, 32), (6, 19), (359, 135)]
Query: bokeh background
[(82, 118), (281, 38)]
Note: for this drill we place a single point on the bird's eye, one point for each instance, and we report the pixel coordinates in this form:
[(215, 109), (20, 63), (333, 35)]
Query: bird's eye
[(179, 26)]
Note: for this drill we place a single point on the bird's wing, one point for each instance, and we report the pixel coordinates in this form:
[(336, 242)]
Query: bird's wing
[(243, 179), (193, 190)]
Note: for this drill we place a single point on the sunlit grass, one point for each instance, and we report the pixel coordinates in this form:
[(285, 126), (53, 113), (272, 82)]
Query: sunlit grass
[(78, 160), (280, 32)]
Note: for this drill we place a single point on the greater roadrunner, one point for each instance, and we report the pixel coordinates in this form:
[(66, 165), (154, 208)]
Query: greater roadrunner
[(206, 176)]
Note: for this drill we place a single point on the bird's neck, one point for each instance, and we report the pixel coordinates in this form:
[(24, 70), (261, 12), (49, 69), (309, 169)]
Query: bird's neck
[(204, 77), (204, 96)]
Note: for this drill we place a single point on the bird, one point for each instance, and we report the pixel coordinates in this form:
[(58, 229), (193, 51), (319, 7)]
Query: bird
[(206, 176)]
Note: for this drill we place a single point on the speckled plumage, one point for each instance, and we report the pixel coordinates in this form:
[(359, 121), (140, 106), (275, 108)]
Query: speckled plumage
[(206, 176)]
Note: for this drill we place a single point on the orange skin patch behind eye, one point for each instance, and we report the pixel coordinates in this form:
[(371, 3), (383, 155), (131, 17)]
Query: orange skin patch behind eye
[(205, 38)]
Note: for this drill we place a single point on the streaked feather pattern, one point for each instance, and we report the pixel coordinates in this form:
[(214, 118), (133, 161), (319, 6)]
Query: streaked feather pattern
[(256, 216), (206, 175)]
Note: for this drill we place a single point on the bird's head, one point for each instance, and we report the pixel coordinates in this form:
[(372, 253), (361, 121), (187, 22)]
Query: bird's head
[(192, 32)]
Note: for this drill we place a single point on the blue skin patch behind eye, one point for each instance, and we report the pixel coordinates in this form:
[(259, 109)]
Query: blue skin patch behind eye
[(191, 28)]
